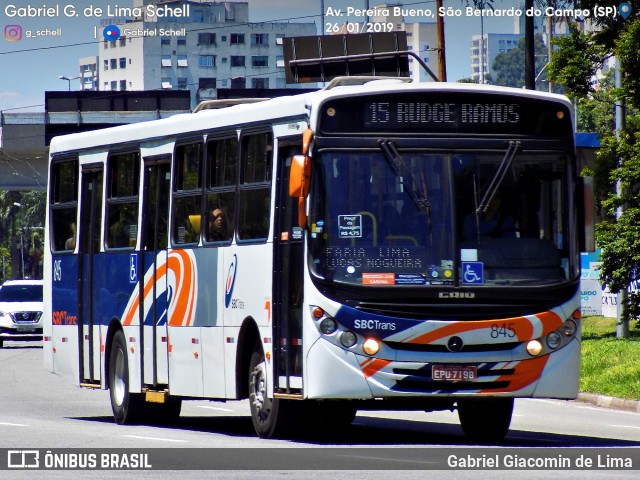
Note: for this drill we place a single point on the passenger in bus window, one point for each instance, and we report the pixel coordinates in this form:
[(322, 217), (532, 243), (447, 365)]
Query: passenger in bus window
[(70, 244), (218, 226)]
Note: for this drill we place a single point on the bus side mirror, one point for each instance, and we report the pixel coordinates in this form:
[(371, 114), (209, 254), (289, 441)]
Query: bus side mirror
[(299, 183), (587, 237)]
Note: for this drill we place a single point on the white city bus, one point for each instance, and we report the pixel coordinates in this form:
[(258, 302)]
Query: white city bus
[(386, 245)]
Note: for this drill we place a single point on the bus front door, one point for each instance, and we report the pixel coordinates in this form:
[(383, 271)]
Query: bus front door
[(155, 217), (288, 280), (89, 281)]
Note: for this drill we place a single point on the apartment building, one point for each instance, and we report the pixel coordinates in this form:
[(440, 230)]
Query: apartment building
[(195, 45), (422, 38)]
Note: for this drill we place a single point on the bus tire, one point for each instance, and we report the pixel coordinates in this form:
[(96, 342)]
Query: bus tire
[(127, 407), (485, 419), (271, 417)]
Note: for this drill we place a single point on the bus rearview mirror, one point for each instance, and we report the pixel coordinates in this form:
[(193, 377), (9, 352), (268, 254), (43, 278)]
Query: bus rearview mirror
[(300, 176), (299, 182)]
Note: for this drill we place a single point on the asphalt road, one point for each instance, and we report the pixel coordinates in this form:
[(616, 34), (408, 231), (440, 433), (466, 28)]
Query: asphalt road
[(39, 410)]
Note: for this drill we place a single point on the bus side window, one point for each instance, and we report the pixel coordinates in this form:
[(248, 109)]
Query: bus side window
[(222, 168), (255, 186), (187, 194), (64, 204), (122, 200)]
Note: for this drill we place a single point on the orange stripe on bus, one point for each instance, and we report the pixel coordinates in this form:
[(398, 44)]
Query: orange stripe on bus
[(526, 372), (161, 270), (550, 320), (180, 263), (372, 366)]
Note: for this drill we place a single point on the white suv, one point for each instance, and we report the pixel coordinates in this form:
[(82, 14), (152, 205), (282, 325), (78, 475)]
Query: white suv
[(20, 310)]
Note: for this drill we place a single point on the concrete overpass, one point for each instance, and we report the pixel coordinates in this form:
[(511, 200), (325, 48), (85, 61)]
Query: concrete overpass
[(25, 137)]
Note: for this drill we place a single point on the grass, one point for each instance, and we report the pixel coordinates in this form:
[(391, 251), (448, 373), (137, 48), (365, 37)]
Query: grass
[(610, 366)]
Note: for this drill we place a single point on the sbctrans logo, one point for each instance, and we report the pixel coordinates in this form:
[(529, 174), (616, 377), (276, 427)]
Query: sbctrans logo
[(231, 281), (23, 459)]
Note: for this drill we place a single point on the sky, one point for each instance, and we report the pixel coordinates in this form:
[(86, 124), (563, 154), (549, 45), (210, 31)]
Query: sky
[(31, 66)]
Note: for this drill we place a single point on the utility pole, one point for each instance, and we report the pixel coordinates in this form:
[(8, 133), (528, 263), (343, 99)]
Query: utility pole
[(442, 61), (529, 49), (622, 324), (549, 47)]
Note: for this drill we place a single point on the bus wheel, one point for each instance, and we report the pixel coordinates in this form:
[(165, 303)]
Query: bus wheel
[(485, 420), (271, 417), (127, 407)]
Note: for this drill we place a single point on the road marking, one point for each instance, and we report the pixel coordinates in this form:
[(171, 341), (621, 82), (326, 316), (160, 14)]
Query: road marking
[(219, 409), (155, 438), (625, 426), (13, 424)]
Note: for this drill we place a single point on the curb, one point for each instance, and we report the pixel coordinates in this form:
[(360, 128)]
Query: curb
[(610, 402)]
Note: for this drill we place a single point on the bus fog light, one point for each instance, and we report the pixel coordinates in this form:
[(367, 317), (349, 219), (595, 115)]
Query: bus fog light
[(554, 340), (371, 346), (328, 326), (348, 339), (534, 347), (569, 328)]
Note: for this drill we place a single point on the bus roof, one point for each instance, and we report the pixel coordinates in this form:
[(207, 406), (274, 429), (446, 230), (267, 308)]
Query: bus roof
[(276, 109)]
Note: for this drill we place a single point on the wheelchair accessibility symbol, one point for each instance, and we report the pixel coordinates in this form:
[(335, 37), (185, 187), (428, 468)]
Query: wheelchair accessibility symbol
[(133, 268), (472, 273)]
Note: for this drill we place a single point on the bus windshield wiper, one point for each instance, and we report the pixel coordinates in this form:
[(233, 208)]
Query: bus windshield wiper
[(503, 168), (399, 167)]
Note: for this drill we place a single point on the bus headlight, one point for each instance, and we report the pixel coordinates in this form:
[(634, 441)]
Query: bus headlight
[(371, 346), (348, 339), (328, 325), (569, 328), (554, 340), (534, 347)]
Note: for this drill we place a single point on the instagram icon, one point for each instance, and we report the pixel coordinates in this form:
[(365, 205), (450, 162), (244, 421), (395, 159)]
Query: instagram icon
[(13, 33)]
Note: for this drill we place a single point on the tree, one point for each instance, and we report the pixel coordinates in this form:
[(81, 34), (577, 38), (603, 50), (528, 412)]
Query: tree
[(467, 80), (576, 60), (508, 67), (618, 162), (21, 219)]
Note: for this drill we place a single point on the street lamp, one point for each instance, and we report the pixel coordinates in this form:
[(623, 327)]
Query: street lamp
[(68, 79)]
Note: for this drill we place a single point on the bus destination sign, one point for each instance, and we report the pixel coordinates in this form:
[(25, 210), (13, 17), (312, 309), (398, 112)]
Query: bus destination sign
[(444, 112), (397, 114)]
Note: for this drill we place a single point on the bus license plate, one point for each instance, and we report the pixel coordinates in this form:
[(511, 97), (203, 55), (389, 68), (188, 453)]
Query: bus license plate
[(446, 373)]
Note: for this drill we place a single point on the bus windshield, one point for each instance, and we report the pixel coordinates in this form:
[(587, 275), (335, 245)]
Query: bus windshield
[(411, 217)]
